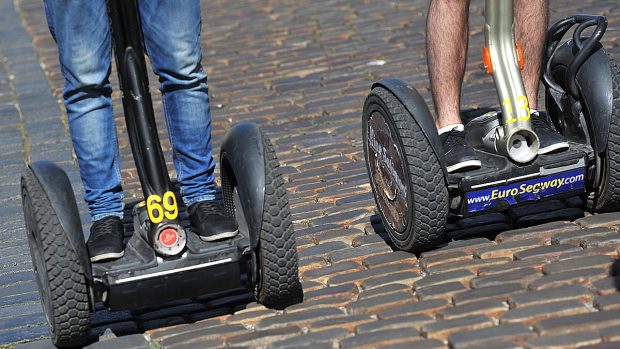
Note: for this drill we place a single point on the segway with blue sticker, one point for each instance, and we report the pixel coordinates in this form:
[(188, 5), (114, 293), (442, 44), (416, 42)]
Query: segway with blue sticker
[(163, 260), (413, 190)]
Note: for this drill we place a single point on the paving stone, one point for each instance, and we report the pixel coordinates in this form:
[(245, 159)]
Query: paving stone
[(572, 340), (442, 291), (323, 249), (202, 331), (501, 292), (442, 329), (357, 254), (581, 276), (465, 245), (577, 237), (298, 318), (594, 251), (406, 321), (311, 263), (473, 265), (249, 317), (536, 263), (348, 323), (580, 322), (423, 307), (548, 252), (578, 263), (383, 290), (449, 257), (344, 290), (379, 304), (610, 345), (418, 344), (521, 276), (544, 231), (600, 220), (608, 302), (263, 337), (462, 275), (606, 286), (323, 274), (396, 257), (359, 276), (611, 239), (385, 337), (324, 303), (531, 314), (492, 308), (405, 278), (517, 333), (322, 339), (563, 293), (508, 249), (611, 334)]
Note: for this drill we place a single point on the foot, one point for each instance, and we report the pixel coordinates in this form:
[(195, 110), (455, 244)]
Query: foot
[(550, 141), (105, 242), (458, 155), (209, 221)]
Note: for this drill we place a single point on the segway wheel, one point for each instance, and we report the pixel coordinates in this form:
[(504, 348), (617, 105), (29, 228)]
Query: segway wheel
[(59, 274), (406, 175), (607, 197)]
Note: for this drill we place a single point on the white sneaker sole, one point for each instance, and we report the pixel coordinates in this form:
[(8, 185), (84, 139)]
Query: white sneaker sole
[(473, 164), (107, 256), (552, 148), (220, 236)]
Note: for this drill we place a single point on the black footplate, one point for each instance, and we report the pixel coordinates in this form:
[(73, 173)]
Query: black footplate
[(141, 278)]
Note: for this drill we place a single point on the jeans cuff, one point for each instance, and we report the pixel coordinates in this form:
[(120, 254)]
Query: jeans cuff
[(101, 216), (190, 201)]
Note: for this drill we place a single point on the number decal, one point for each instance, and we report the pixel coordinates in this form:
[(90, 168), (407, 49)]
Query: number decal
[(155, 210), (524, 108), (508, 105)]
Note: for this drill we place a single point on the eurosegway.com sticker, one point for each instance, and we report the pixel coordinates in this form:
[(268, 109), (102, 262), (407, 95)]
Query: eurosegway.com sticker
[(528, 190)]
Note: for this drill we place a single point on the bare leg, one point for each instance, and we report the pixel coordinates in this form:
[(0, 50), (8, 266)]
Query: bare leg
[(447, 32), (531, 22)]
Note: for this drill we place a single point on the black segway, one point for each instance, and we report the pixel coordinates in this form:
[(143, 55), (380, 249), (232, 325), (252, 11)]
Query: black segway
[(412, 188), (163, 260)]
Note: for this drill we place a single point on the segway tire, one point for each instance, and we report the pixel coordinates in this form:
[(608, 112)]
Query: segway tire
[(418, 212), (60, 277), (607, 198), (278, 281)]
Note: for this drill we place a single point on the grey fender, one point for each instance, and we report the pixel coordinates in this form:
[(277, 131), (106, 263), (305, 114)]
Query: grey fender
[(416, 106), (243, 154), (57, 187), (595, 84)]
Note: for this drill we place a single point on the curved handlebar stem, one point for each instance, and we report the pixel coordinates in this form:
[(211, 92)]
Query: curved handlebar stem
[(516, 140)]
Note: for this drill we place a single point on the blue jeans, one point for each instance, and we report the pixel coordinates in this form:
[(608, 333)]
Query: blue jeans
[(171, 32)]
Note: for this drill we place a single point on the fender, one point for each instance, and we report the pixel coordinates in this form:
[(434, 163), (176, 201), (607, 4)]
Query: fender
[(242, 150), (595, 84), (57, 187), (415, 104)]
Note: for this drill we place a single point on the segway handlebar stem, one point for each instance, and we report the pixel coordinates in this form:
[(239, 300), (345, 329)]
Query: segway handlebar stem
[(515, 139)]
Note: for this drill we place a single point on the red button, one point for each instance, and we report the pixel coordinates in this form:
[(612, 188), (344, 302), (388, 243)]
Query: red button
[(168, 237)]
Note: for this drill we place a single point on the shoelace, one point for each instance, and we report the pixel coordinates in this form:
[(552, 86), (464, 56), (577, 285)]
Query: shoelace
[(210, 208), (539, 122), (104, 227), (454, 138)]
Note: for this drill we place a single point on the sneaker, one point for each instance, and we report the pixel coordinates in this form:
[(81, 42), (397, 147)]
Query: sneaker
[(105, 242), (209, 221), (550, 141), (458, 155)]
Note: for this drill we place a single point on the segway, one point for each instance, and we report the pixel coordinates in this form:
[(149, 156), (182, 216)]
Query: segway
[(163, 259), (415, 194)]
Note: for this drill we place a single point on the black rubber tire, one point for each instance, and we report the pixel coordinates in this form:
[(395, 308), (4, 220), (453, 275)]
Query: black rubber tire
[(428, 200), (60, 277), (278, 280), (607, 197)]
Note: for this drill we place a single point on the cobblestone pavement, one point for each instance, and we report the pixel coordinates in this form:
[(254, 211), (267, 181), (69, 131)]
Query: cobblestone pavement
[(539, 276)]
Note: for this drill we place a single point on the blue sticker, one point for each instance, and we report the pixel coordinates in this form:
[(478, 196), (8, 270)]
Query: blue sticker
[(529, 190)]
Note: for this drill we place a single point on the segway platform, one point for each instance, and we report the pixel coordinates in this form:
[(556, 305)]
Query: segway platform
[(141, 278)]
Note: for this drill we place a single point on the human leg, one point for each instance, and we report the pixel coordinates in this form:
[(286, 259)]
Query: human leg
[(81, 31), (172, 38), (446, 45)]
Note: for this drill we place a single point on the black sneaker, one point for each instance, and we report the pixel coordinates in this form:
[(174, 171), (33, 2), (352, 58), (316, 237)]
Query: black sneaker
[(105, 242), (208, 220), (550, 141), (458, 155)]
